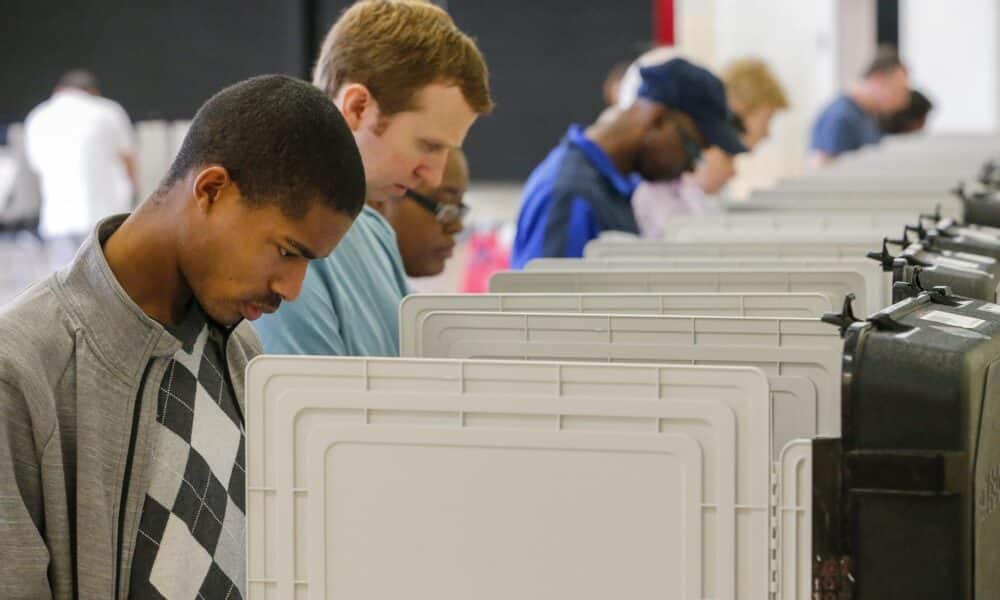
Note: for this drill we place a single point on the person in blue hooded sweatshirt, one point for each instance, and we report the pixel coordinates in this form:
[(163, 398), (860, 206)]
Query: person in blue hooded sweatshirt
[(584, 186)]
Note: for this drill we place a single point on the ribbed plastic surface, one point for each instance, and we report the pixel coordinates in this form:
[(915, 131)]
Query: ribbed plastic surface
[(391, 478), (801, 305), (690, 262), (793, 516), (876, 279), (860, 201), (719, 227), (834, 283), (801, 356), (735, 246)]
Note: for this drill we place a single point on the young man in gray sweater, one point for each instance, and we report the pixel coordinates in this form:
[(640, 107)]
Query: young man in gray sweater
[(121, 376)]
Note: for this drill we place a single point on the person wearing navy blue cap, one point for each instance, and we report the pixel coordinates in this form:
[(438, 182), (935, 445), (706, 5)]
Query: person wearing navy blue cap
[(584, 186)]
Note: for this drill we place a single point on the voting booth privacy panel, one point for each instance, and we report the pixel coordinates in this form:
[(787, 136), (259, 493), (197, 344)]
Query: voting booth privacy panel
[(832, 201), (737, 247), (766, 226), (801, 357), (833, 282), (386, 478), (415, 307), (667, 419)]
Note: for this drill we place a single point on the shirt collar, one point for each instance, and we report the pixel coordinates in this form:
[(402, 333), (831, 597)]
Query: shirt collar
[(116, 326), (623, 184)]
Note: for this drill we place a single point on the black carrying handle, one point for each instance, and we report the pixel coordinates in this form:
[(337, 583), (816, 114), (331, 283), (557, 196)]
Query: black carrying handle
[(883, 257), (917, 229), (888, 261), (934, 217), (959, 190), (939, 294), (903, 241), (845, 318), (989, 175)]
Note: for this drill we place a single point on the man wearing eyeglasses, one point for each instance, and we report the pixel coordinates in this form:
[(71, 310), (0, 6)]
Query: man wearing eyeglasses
[(584, 186), (427, 219)]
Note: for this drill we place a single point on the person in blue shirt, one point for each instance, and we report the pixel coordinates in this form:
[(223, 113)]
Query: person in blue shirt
[(911, 119), (851, 121), (410, 84), (584, 186)]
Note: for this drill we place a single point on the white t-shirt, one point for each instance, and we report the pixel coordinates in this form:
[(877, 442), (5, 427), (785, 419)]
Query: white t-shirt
[(655, 203), (75, 143)]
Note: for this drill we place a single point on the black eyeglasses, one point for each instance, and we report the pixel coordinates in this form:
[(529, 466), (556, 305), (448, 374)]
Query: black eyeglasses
[(737, 122), (444, 212), (692, 149)]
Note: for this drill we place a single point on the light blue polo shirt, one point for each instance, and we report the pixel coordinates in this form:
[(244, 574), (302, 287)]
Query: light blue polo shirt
[(349, 305), (844, 127)]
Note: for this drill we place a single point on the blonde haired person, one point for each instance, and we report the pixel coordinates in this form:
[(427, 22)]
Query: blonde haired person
[(754, 96), (410, 84)]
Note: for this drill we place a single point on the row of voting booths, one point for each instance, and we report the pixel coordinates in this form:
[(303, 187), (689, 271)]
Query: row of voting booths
[(794, 400)]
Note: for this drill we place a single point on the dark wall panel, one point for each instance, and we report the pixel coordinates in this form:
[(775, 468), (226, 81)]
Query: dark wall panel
[(548, 60), (887, 19), (163, 59), (158, 59)]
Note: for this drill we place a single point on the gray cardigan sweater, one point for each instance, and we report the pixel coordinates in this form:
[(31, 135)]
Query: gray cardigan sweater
[(75, 427)]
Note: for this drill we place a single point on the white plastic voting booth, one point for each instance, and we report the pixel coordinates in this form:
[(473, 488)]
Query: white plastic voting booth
[(833, 283), (801, 356), (721, 227), (805, 246), (793, 512), (881, 201), (415, 307), (876, 278), (605, 263), (371, 479), (848, 181)]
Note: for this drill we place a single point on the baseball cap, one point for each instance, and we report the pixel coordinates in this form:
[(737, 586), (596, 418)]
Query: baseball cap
[(690, 89)]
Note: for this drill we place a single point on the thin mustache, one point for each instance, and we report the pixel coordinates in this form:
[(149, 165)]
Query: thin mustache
[(271, 302)]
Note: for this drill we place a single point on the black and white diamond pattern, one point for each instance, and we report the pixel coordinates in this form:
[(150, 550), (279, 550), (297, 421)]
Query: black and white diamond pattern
[(191, 534)]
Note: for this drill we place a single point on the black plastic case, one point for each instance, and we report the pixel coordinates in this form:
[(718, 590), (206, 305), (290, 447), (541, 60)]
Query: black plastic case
[(981, 207), (950, 235), (905, 503), (967, 274)]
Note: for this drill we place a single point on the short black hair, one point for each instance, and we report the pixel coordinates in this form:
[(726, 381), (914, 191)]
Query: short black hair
[(283, 142), (907, 119), (886, 61)]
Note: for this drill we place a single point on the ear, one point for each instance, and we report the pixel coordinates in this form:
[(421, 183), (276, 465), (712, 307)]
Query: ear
[(208, 186), (356, 103)]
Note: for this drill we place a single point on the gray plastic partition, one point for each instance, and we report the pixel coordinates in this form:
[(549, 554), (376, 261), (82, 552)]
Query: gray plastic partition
[(871, 179), (371, 479), (837, 202), (801, 356), (794, 522), (607, 263), (736, 248), (875, 276), (833, 283), (719, 227), (415, 307)]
